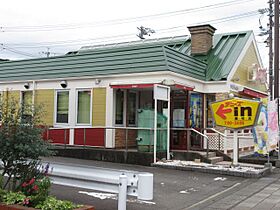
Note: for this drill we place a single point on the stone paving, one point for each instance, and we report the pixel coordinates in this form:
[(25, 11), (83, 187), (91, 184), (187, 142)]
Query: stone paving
[(261, 195)]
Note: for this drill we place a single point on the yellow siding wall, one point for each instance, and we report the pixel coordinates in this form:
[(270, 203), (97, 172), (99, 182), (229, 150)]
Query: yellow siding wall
[(99, 107), (241, 73), (13, 94), (46, 98)]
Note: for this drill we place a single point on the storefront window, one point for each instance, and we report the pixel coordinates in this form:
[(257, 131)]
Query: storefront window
[(119, 107), (62, 106), (179, 106), (132, 108), (84, 104), (195, 110)]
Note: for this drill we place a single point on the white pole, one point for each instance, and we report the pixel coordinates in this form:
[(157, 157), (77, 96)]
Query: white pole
[(122, 192), (155, 132), (235, 147), (168, 126)]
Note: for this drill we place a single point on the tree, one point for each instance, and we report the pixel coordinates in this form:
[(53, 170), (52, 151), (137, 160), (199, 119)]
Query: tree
[(21, 142)]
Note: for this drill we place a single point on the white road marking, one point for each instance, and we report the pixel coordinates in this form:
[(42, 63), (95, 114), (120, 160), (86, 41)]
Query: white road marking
[(213, 196)]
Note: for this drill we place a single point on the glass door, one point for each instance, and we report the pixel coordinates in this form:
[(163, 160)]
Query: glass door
[(196, 120), (178, 120)]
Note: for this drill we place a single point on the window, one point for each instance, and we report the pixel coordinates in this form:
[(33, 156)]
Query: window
[(26, 100), (84, 107), (132, 108), (1, 105), (196, 110), (62, 106), (119, 107)]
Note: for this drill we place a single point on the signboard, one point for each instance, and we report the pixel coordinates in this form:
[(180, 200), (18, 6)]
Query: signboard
[(235, 113), (161, 92)]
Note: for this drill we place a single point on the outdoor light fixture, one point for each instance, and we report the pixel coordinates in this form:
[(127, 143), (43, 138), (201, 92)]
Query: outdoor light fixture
[(26, 85), (63, 83), (168, 82), (97, 81)]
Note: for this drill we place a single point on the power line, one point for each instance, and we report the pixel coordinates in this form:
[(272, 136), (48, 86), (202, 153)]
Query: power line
[(17, 51), (118, 21), (122, 36)]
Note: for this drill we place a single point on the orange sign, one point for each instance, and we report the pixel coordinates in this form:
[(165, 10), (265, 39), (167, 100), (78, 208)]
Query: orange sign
[(235, 113)]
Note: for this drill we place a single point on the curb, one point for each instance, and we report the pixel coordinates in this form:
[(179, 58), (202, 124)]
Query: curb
[(262, 172)]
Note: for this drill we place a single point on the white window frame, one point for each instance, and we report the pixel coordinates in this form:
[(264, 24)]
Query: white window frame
[(136, 107), (124, 108), (76, 105), (55, 107)]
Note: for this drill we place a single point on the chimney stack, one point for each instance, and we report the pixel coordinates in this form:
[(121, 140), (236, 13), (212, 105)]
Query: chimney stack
[(201, 39)]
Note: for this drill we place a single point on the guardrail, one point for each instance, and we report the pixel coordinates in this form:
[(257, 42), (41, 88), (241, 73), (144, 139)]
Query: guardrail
[(197, 132), (126, 138), (219, 136), (123, 182)]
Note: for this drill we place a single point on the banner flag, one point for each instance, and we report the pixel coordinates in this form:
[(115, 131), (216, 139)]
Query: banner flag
[(273, 128)]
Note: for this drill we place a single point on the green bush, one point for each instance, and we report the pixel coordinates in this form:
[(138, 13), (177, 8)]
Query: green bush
[(51, 203), (1, 182), (43, 191), (2, 193), (14, 198), (21, 142)]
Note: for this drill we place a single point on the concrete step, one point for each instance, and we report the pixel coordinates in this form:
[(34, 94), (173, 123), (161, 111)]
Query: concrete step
[(210, 154), (214, 160)]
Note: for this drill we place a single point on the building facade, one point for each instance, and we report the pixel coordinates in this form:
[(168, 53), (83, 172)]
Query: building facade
[(103, 95)]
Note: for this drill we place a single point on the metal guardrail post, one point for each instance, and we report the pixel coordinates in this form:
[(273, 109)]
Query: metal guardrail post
[(188, 140), (104, 136), (219, 142), (207, 148), (151, 141), (84, 137), (126, 141), (48, 132), (122, 192), (65, 138)]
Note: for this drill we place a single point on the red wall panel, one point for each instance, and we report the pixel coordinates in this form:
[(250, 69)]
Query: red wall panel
[(94, 136)]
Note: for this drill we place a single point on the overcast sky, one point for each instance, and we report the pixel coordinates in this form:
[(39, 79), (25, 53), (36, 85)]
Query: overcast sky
[(30, 28)]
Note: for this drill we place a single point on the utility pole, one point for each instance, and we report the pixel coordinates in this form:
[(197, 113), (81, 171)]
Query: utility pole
[(276, 50), (276, 60), (270, 53)]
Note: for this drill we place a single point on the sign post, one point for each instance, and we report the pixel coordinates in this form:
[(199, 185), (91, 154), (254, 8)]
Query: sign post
[(162, 93), (235, 147), (235, 113)]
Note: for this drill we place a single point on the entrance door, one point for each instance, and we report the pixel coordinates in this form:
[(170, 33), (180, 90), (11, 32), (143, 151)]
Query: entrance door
[(196, 120), (179, 99)]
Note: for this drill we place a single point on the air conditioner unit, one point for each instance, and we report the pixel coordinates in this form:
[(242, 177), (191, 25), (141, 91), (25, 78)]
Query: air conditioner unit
[(252, 72)]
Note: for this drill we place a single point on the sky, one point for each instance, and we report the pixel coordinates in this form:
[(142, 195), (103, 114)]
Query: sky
[(31, 28)]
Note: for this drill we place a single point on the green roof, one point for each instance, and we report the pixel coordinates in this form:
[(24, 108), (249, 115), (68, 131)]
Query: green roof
[(169, 54)]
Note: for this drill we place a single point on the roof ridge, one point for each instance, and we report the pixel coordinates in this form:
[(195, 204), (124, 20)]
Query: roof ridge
[(135, 42)]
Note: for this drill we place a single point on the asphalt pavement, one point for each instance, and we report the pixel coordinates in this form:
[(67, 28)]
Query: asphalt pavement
[(178, 190)]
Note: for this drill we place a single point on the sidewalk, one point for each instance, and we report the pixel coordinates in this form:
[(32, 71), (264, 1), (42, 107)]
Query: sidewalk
[(261, 195)]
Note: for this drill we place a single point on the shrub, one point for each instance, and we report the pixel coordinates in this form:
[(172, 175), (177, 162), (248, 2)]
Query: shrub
[(14, 198), (21, 142), (51, 203), (2, 193), (36, 190)]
